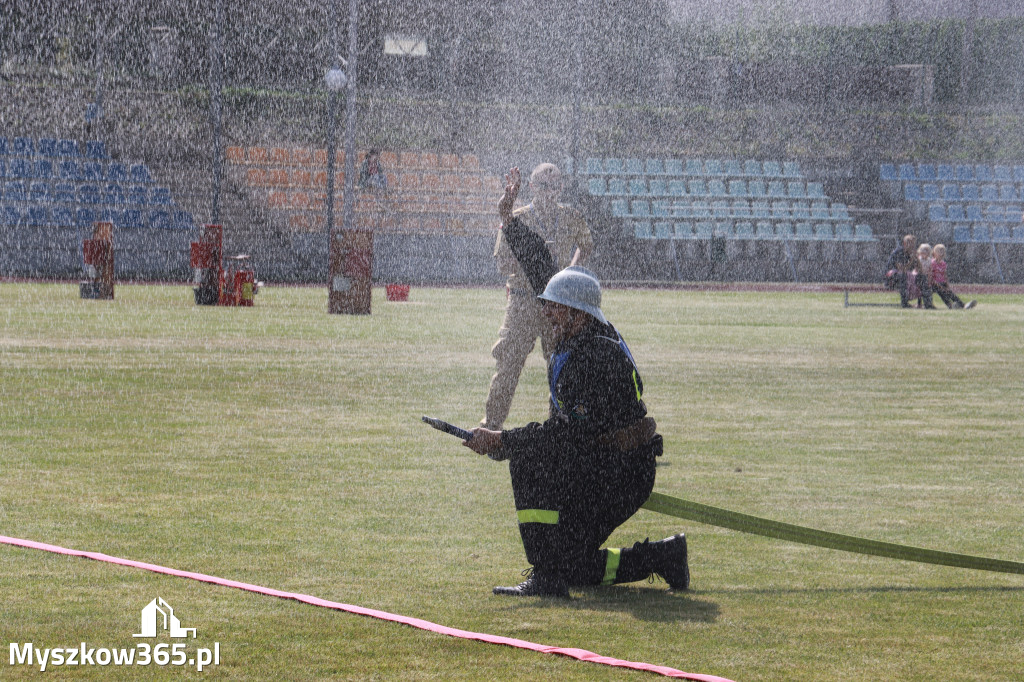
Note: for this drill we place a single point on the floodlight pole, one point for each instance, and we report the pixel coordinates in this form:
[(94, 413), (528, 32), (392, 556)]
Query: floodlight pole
[(216, 105), (349, 209), (332, 105)]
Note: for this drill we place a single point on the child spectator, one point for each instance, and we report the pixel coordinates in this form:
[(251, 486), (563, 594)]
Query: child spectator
[(940, 283), (923, 278)]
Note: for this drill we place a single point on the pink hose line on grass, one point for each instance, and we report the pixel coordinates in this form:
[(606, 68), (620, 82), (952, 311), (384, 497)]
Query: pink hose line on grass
[(579, 654)]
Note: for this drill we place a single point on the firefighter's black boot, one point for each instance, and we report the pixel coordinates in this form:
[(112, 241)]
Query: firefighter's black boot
[(669, 560), (540, 583)]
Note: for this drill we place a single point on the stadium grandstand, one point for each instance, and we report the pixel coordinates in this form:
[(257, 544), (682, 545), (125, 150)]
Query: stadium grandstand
[(751, 146)]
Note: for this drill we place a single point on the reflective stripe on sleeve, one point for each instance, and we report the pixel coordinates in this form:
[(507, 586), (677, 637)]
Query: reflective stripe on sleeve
[(611, 566), (537, 516)]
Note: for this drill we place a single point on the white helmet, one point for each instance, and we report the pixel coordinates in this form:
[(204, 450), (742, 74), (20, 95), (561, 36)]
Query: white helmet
[(577, 288)]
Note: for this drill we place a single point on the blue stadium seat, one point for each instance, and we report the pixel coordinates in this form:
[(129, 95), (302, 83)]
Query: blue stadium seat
[(62, 216), (819, 210), (20, 168), (117, 172), (43, 169), (3, 146), (642, 229), (23, 146), (1013, 213), (183, 220), (597, 186), (640, 209), (1018, 173), (69, 170), (823, 231), (969, 192), (887, 172), (684, 230), (1008, 192), (983, 173), (634, 167), (620, 208), (755, 188), (780, 210), (713, 167), (973, 212), (955, 213), (937, 213), (616, 188), (37, 216), (951, 193), (815, 190), (11, 216), (673, 167), (89, 194), (638, 187), (764, 230), (772, 169), (844, 232), (800, 210), (995, 213), (737, 188), (784, 230), (988, 193), (161, 196), (795, 190), (68, 149), (930, 192), (39, 192), (654, 167), (862, 232), (1018, 234), (839, 212), (92, 171), (114, 195), (760, 210), (656, 188), (744, 230), (107, 214), (138, 195), (85, 216), (732, 168), (133, 218), (720, 209), (663, 229), (15, 190), (1002, 233), (776, 188), (724, 228), (945, 172), (3, 168), (64, 193), (695, 167), (912, 191), (716, 188), (698, 188), (95, 149), (791, 169), (1002, 173), (926, 172), (700, 209), (908, 172), (803, 231), (47, 146), (752, 167), (677, 188), (139, 172), (160, 220), (962, 233), (594, 167), (964, 173), (682, 209), (981, 233), (741, 209), (703, 230), (660, 209)]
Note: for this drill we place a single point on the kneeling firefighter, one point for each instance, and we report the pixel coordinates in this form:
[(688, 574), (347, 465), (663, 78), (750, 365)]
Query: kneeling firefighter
[(590, 466)]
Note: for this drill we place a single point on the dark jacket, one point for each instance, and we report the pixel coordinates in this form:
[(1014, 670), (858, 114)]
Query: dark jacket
[(595, 389)]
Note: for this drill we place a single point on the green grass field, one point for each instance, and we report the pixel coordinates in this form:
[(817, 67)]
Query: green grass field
[(282, 446)]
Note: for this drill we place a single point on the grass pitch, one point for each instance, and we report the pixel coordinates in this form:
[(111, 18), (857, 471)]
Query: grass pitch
[(282, 446)]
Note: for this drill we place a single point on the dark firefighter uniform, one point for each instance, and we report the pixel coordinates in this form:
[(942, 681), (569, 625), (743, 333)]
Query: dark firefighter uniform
[(590, 466)]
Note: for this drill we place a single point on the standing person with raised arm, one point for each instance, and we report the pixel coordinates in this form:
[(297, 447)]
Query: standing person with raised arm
[(568, 240)]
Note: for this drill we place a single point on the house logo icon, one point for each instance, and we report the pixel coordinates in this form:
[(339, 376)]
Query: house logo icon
[(151, 623)]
